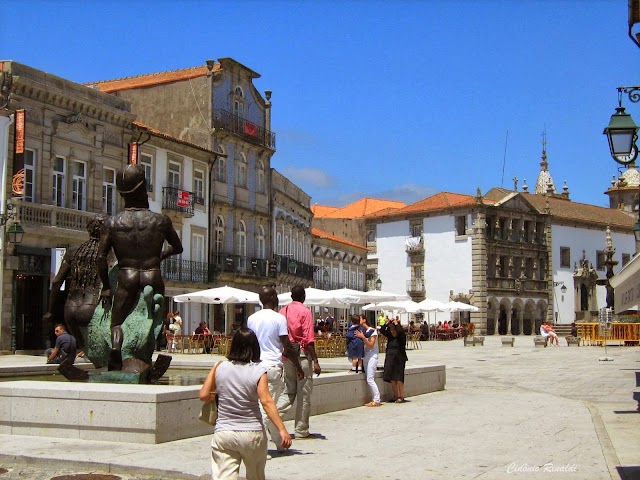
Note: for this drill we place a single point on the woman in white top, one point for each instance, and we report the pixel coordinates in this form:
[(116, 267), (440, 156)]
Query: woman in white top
[(239, 433), (371, 351)]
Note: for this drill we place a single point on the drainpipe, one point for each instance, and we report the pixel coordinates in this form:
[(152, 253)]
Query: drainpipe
[(5, 123)]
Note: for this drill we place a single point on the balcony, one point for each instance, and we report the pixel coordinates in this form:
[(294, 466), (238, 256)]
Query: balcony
[(39, 215), (414, 246), (224, 120), (241, 265), (178, 200), (519, 285), (177, 270), (415, 287), (286, 264)]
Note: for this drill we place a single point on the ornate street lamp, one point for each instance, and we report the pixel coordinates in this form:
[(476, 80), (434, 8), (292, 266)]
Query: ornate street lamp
[(378, 284), (621, 133)]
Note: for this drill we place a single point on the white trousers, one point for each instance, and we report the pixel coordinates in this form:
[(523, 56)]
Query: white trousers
[(229, 448), (278, 390), (370, 363)]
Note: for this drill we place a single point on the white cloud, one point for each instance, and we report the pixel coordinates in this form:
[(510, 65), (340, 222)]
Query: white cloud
[(309, 177)]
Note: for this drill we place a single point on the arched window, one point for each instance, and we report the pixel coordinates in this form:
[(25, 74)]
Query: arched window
[(260, 177), (238, 102), (241, 237), (221, 166), (242, 171), (219, 231)]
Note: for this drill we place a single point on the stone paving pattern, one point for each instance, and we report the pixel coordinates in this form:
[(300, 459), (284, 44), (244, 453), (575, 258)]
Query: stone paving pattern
[(507, 412)]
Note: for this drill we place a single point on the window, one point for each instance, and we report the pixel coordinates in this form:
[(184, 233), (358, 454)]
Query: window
[(345, 278), (79, 186), (146, 161), (625, 258), (416, 229), (238, 102), (461, 225), (565, 257), (600, 258), (241, 179), (219, 234), (198, 253), (241, 246), (59, 190), (198, 186), (260, 177), (260, 243), (371, 235), (278, 243), (109, 191), (29, 175), (173, 179), (221, 170)]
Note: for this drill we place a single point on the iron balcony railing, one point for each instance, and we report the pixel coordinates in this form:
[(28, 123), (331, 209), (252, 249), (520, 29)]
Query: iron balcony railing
[(178, 270), (415, 286), (249, 131), (230, 263), (291, 266), (177, 200)]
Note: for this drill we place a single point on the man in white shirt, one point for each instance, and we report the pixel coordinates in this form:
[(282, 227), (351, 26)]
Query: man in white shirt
[(271, 329)]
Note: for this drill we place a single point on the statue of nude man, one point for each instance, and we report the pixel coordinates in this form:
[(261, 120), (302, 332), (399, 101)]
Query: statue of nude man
[(137, 236)]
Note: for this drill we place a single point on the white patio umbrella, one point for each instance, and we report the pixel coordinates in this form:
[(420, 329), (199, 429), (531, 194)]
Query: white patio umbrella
[(219, 295), (401, 306), (461, 307), (429, 305), (372, 296), (317, 297)]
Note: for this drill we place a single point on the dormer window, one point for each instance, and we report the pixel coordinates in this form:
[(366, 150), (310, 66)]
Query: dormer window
[(238, 102)]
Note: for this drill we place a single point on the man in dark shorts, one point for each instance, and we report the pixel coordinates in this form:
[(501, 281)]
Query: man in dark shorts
[(64, 352), (137, 237)]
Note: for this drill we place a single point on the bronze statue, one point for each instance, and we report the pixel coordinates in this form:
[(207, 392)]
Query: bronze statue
[(80, 271), (137, 237)]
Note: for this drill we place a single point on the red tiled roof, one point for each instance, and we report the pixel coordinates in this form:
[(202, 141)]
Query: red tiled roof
[(437, 202), (150, 79), (322, 234), (358, 209), (158, 133), (581, 212), (322, 210)]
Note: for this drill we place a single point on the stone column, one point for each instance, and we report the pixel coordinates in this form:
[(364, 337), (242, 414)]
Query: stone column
[(509, 315), (479, 259)]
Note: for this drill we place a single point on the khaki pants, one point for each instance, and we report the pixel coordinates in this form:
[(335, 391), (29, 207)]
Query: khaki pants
[(278, 391), (229, 448), (300, 390)]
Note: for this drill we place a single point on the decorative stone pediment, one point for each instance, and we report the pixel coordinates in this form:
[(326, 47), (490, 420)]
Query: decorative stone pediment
[(515, 202), (76, 132)]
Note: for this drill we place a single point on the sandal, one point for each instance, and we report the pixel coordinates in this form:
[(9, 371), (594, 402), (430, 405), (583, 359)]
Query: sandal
[(372, 404)]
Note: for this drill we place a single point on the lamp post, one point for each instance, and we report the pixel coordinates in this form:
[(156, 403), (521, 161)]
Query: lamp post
[(563, 290), (622, 134), (378, 284)]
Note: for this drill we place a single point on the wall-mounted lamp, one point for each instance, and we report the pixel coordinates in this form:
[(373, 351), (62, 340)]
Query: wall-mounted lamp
[(563, 289), (378, 284), (15, 231)]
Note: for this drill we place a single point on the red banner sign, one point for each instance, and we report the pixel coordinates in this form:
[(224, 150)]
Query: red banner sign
[(17, 182), (184, 199), (133, 153)]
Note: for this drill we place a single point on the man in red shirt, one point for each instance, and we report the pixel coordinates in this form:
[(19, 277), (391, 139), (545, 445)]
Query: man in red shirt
[(302, 336)]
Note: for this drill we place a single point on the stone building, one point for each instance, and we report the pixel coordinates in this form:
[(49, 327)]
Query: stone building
[(509, 253), (217, 106), (73, 137)]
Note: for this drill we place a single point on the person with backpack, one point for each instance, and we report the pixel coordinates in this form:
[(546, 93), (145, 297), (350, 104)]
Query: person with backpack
[(355, 345)]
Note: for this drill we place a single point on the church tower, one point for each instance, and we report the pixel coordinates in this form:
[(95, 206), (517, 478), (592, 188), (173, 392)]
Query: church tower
[(623, 193)]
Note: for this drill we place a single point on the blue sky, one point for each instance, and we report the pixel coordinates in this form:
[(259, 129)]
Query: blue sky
[(387, 99)]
